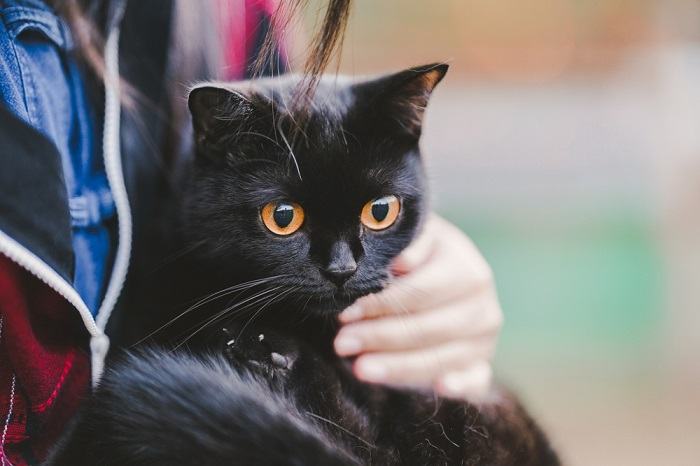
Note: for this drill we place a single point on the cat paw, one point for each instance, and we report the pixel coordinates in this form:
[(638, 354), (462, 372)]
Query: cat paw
[(265, 352)]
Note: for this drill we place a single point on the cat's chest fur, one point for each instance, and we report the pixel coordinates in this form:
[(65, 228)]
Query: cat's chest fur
[(381, 425), (297, 358)]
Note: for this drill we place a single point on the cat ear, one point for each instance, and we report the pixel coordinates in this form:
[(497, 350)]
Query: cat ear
[(400, 99), (216, 112)]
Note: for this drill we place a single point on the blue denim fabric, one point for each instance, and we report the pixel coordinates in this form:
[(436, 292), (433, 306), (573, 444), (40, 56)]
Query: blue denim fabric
[(41, 82)]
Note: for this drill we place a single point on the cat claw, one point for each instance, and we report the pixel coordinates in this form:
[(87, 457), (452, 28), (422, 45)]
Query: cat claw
[(281, 361), (267, 353)]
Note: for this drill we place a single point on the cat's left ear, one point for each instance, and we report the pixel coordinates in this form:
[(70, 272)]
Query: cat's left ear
[(215, 109), (401, 98)]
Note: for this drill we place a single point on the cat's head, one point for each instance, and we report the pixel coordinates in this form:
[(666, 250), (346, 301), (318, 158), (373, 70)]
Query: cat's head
[(323, 200)]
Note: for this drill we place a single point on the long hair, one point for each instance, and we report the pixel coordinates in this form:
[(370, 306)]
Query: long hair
[(325, 42), (195, 54), (81, 17), (86, 33)]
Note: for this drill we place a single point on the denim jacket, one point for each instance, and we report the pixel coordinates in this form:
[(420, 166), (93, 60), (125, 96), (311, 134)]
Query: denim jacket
[(43, 85), (50, 344)]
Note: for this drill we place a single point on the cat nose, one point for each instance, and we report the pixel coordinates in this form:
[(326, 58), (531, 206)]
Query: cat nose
[(341, 265), (340, 275)]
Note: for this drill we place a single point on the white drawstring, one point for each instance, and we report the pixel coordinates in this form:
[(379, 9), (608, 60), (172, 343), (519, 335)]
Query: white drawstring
[(111, 146)]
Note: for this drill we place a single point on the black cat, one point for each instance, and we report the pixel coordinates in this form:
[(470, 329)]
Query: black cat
[(292, 213)]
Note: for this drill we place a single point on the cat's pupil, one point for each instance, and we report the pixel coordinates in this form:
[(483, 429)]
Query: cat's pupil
[(284, 214), (380, 209)]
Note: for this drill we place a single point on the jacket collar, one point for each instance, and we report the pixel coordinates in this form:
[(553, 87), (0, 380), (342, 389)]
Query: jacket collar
[(33, 198)]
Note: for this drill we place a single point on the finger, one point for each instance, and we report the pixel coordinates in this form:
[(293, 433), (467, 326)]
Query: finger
[(434, 283), (416, 254), (420, 291), (480, 318), (417, 368), (473, 383)]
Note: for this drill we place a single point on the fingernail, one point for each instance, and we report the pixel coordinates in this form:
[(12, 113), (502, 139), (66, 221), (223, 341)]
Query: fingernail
[(352, 313), (372, 371), (346, 345)]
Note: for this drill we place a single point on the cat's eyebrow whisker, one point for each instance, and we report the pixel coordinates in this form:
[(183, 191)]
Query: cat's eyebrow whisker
[(290, 114), (209, 298), (298, 129), (289, 148)]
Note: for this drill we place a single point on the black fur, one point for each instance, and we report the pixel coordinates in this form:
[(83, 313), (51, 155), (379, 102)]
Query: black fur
[(159, 409), (276, 393)]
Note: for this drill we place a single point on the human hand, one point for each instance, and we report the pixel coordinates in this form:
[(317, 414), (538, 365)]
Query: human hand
[(436, 325)]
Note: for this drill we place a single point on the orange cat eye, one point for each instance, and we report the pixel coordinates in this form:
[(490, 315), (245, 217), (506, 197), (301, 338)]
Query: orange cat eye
[(380, 213), (282, 218)]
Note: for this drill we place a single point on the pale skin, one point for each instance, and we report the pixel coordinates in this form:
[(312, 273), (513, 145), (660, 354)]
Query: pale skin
[(436, 326)]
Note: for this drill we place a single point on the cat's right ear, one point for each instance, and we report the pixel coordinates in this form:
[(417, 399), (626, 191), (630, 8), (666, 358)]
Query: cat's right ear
[(397, 101), (216, 113)]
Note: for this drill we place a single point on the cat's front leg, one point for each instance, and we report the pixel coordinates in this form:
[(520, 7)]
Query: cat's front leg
[(261, 350)]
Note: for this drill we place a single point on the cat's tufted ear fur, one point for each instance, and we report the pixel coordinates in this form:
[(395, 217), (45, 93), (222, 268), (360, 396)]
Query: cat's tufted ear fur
[(216, 112), (400, 99)]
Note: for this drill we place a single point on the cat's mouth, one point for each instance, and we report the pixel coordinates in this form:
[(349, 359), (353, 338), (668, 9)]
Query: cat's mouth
[(327, 298), (339, 299), (334, 304)]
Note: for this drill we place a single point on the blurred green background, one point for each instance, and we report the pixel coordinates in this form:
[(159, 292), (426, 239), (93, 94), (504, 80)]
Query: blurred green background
[(565, 141)]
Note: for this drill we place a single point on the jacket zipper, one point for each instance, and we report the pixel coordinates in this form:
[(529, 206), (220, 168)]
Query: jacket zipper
[(37, 267), (99, 342)]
